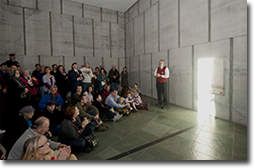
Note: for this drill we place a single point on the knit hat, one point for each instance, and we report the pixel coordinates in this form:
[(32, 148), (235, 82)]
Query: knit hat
[(50, 103), (26, 109)]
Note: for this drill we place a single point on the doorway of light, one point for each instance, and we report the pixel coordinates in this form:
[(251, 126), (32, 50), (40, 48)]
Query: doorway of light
[(206, 103)]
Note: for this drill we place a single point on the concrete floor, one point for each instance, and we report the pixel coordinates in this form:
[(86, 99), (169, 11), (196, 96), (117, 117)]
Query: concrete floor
[(172, 134)]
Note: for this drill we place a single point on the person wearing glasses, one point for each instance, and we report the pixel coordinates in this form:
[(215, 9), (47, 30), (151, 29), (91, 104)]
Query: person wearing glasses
[(38, 148)]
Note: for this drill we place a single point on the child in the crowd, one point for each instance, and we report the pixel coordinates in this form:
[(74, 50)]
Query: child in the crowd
[(129, 99), (126, 110), (105, 110)]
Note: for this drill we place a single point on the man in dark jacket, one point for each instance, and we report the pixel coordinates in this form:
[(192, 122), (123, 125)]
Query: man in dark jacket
[(114, 76), (75, 77), (12, 61)]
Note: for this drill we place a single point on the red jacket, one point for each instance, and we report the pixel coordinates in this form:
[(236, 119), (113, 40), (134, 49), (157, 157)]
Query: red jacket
[(33, 89)]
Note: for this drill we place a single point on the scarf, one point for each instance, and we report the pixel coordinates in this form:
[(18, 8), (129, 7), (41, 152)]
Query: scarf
[(29, 81), (21, 85)]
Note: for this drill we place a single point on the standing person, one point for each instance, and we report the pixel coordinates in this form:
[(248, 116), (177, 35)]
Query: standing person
[(124, 78), (48, 80), (101, 66), (12, 61), (62, 82), (54, 70), (114, 76), (37, 70), (102, 79), (95, 75), (41, 84), (87, 73), (162, 74), (75, 77)]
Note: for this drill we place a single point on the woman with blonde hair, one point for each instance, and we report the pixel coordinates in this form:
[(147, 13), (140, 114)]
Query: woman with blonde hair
[(38, 148)]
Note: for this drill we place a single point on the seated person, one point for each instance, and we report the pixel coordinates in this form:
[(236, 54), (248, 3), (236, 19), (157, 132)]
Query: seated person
[(54, 115), (127, 109), (38, 148), (40, 127), (112, 100), (105, 110), (90, 112), (136, 94), (89, 95), (106, 92), (75, 96), (129, 99), (73, 130), (52, 96)]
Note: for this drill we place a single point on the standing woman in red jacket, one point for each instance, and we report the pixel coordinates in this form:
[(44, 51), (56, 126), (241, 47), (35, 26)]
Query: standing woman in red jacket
[(31, 83)]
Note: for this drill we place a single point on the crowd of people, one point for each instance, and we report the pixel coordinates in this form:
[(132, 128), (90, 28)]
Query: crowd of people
[(35, 106)]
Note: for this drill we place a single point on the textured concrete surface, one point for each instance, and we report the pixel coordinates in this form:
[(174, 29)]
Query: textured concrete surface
[(102, 39), (27, 61), (193, 22), (72, 8), (117, 40), (49, 60), (121, 18), (92, 12), (139, 34), (133, 11), (180, 81), (146, 74), (228, 18), (23, 3), (134, 70), (109, 15), (144, 5), (129, 39), (50, 5)]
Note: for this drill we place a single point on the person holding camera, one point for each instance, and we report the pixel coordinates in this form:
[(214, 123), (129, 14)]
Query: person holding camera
[(124, 78)]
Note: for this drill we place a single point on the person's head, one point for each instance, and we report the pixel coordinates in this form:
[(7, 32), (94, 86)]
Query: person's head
[(89, 89), (12, 56), (87, 65), (14, 73), (27, 112), (61, 68), (71, 112), (161, 63), (114, 92), (42, 69), (74, 65), (129, 95), (53, 90), (35, 148), (4, 66), (26, 72), (79, 89), (20, 70), (54, 67), (102, 70), (121, 99), (107, 87), (124, 69), (13, 67), (101, 66), (47, 70), (97, 69), (51, 106), (83, 99), (41, 125), (98, 97), (135, 85), (38, 67), (113, 67)]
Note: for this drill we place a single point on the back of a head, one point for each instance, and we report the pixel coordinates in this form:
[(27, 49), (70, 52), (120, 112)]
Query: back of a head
[(30, 148), (40, 122)]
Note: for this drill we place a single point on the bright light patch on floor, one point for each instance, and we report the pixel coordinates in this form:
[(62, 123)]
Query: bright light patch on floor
[(206, 104)]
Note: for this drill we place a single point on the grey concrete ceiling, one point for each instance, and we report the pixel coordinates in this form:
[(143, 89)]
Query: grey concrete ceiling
[(117, 5)]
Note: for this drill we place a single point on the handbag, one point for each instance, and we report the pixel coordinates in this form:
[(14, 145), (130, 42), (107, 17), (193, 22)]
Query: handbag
[(91, 142)]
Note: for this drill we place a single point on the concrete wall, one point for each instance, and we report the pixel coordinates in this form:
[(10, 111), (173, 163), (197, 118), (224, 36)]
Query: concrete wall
[(181, 32), (61, 32)]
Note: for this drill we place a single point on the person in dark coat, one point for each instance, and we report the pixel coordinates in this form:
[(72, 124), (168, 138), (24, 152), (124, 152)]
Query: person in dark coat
[(124, 78), (75, 77), (62, 82), (12, 61), (113, 77), (37, 70)]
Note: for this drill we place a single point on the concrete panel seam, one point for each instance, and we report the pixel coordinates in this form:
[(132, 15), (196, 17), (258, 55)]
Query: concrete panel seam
[(24, 32), (159, 27), (152, 81), (179, 25), (110, 39), (36, 5), (133, 38), (73, 35), (101, 14), (61, 7), (209, 20), (168, 85), (7, 2), (93, 37), (39, 60), (50, 26), (193, 73), (63, 60), (231, 79), (144, 32), (83, 9), (117, 17)]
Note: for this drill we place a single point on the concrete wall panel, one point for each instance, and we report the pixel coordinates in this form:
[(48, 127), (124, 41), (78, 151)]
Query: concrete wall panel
[(94, 61), (102, 39), (122, 64), (129, 39), (92, 12), (11, 30), (69, 60), (144, 5), (50, 5), (83, 37), (109, 62), (218, 50), (72, 8), (155, 63), (49, 60), (228, 18), (27, 61), (117, 40), (134, 70), (121, 18), (109, 15), (37, 32), (23, 3), (168, 24), (133, 11), (240, 81), (139, 34), (155, 1), (145, 75), (151, 30), (193, 22), (62, 35)]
